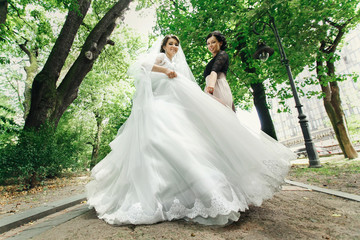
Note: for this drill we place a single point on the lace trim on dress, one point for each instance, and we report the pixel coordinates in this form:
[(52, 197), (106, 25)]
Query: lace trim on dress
[(220, 212), (219, 206)]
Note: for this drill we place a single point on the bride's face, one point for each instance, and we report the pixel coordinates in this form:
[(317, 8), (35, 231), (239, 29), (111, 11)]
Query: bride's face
[(171, 47), (213, 45)]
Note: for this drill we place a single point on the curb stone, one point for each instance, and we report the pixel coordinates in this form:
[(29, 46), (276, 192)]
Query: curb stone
[(16, 220), (49, 224), (324, 190)]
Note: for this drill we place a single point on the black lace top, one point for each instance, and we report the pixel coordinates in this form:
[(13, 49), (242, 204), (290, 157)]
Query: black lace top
[(220, 63)]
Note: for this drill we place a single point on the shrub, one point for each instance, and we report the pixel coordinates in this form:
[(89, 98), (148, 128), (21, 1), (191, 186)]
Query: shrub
[(8, 127), (36, 155)]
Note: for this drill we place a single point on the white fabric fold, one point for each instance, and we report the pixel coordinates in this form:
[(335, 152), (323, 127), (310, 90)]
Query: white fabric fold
[(183, 155)]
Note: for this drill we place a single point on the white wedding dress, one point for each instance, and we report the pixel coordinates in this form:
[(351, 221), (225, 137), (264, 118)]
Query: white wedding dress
[(183, 155)]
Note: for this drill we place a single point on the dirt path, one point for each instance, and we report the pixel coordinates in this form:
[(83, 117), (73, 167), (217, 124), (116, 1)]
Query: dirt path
[(291, 214), (12, 201)]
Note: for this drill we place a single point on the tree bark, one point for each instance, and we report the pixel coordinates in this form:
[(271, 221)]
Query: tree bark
[(332, 99), (339, 120), (347, 147), (48, 103), (267, 125), (44, 92), (31, 71), (3, 11)]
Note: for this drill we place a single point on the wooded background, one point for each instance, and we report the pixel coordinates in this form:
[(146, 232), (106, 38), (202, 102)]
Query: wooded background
[(60, 112)]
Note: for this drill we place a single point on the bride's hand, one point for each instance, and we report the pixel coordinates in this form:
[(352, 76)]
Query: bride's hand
[(171, 73)]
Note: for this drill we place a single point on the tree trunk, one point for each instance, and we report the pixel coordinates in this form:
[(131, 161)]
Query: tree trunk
[(332, 104), (30, 75), (3, 11), (332, 100), (97, 140), (262, 109), (339, 116), (259, 95), (44, 92), (348, 149), (48, 103)]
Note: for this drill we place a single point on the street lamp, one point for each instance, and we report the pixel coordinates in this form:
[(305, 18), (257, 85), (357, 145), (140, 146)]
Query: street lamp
[(262, 53)]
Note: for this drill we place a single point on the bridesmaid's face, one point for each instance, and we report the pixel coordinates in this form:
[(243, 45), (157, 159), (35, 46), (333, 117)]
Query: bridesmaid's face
[(213, 45), (171, 47)]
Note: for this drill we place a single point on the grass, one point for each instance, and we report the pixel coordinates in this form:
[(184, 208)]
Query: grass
[(336, 173), (329, 169)]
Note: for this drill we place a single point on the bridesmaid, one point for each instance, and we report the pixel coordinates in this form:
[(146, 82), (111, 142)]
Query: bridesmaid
[(216, 69)]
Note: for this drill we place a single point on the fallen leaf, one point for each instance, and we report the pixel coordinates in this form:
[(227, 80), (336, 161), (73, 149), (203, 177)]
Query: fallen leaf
[(336, 215)]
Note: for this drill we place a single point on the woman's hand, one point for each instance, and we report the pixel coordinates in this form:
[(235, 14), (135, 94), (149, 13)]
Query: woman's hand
[(210, 82), (210, 90), (170, 73)]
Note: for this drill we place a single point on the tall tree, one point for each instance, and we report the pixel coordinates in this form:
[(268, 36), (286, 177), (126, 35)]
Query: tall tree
[(27, 34), (104, 99), (49, 101), (328, 80)]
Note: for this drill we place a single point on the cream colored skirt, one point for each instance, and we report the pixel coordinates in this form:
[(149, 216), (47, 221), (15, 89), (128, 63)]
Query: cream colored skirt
[(222, 91)]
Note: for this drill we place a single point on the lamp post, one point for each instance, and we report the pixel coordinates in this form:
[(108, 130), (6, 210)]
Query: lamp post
[(263, 53)]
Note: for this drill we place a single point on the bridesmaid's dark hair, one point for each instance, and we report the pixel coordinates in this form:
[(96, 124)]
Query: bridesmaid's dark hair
[(166, 39), (219, 37)]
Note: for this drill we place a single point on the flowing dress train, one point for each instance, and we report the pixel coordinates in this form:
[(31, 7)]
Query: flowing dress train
[(183, 155)]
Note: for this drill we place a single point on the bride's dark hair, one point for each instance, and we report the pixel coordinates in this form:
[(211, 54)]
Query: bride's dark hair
[(165, 40), (219, 37)]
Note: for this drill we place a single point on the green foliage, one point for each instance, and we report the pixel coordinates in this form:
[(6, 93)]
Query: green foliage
[(29, 156), (21, 25), (100, 7), (33, 25), (302, 25), (104, 95), (192, 21), (7, 123), (106, 92), (37, 155), (8, 127)]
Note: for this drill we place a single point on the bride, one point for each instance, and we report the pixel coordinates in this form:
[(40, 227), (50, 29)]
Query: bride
[(181, 154)]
